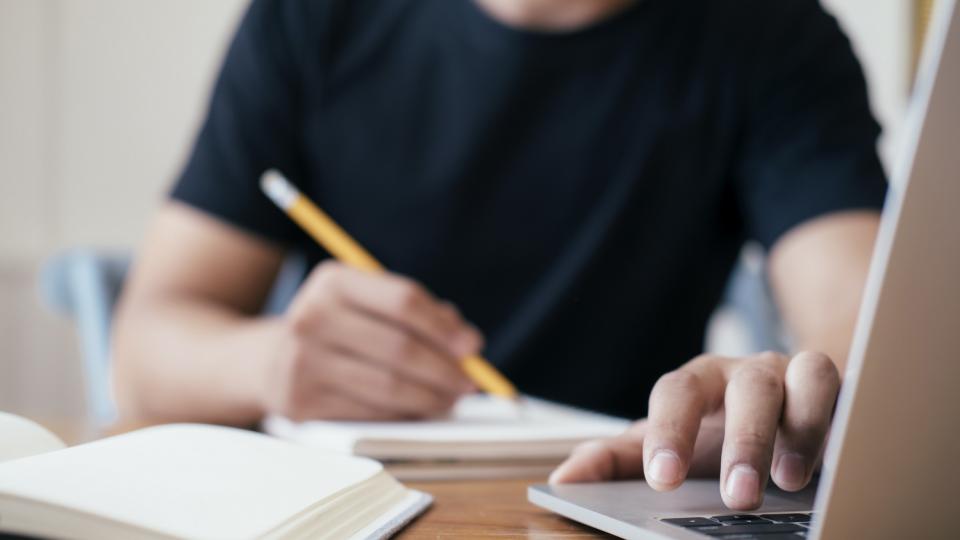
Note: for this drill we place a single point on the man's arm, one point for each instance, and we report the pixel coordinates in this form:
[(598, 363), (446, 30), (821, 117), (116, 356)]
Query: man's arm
[(818, 271), (186, 343), (189, 343), (768, 414)]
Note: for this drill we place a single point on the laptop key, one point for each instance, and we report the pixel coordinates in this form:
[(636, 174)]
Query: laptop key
[(691, 522), (736, 519), (739, 518), (787, 518), (751, 529), (774, 536)]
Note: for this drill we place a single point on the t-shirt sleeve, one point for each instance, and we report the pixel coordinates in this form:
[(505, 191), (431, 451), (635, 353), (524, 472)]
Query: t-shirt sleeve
[(810, 140), (251, 126)]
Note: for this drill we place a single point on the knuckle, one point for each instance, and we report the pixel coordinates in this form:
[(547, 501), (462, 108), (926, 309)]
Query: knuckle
[(682, 380), (298, 356), (771, 358), (759, 377), (303, 321), (296, 405), (671, 429), (703, 357), (408, 297), (751, 439), (326, 273), (298, 323), (400, 347), (817, 366), (807, 426), (447, 402), (449, 311), (393, 384), (590, 446), (437, 403)]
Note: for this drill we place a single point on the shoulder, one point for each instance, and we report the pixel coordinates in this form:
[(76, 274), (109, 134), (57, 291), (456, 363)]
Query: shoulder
[(763, 17), (763, 40), (766, 27)]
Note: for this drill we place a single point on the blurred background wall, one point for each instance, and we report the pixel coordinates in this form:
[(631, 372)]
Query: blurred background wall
[(99, 101)]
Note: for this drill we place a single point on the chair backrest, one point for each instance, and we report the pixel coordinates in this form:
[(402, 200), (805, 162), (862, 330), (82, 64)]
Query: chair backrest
[(84, 284), (749, 298)]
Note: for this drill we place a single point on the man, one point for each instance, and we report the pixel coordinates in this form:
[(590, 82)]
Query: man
[(576, 176)]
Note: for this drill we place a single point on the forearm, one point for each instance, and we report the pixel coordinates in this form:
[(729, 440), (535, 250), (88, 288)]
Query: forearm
[(191, 360), (819, 272)]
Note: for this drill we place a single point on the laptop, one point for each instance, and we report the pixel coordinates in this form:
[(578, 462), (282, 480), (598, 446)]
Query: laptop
[(892, 464)]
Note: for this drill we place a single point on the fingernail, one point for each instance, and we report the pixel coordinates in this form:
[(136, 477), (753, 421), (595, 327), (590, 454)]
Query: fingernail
[(665, 467), (791, 470), (743, 484)]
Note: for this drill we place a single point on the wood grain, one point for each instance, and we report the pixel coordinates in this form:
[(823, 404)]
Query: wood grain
[(489, 508)]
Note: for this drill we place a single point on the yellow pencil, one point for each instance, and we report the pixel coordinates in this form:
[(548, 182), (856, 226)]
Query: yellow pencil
[(336, 241)]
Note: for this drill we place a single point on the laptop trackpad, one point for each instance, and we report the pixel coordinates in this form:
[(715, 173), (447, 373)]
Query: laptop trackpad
[(611, 506)]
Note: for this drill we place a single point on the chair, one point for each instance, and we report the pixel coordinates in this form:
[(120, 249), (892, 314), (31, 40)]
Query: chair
[(749, 298), (84, 284)]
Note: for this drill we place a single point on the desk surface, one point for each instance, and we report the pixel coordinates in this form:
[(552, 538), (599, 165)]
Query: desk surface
[(470, 509), (461, 509)]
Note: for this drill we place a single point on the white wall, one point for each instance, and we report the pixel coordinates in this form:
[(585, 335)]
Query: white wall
[(99, 101), (882, 35)]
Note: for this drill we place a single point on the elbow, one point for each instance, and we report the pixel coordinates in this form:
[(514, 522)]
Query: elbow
[(126, 381), (136, 386)]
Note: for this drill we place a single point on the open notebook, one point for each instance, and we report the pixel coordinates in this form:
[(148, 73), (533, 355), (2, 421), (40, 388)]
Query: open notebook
[(482, 437), (194, 481)]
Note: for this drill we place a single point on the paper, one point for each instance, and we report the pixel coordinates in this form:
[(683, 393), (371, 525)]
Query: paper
[(198, 481), (479, 427), (21, 438)]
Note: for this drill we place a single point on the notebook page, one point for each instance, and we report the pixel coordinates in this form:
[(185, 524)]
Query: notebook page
[(21, 438), (188, 480), (476, 418)]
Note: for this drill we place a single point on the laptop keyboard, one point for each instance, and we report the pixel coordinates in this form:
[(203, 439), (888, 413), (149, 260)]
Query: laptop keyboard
[(747, 526)]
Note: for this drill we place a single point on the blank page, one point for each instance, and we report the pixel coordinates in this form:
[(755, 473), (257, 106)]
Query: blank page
[(187, 480), (475, 419)]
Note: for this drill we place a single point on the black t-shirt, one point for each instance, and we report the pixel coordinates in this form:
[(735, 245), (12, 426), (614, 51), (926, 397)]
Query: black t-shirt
[(581, 196)]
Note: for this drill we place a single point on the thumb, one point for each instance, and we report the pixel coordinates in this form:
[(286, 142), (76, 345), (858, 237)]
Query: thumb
[(600, 460)]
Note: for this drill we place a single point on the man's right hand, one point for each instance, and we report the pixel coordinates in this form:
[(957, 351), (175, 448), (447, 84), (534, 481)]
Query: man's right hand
[(362, 346)]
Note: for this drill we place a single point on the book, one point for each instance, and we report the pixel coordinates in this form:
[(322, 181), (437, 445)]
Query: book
[(195, 481), (483, 437)]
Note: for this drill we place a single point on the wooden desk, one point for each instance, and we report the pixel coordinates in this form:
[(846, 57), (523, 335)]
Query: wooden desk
[(489, 508), (461, 509)]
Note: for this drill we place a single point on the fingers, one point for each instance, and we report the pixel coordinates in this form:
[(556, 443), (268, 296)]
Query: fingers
[(401, 301), (604, 459), (381, 388), (760, 416), (678, 402), (812, 383), (331, 405), (394, 349), (753, 402)]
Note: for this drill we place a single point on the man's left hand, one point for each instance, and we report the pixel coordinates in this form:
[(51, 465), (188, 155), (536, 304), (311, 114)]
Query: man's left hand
[(747, 419)]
